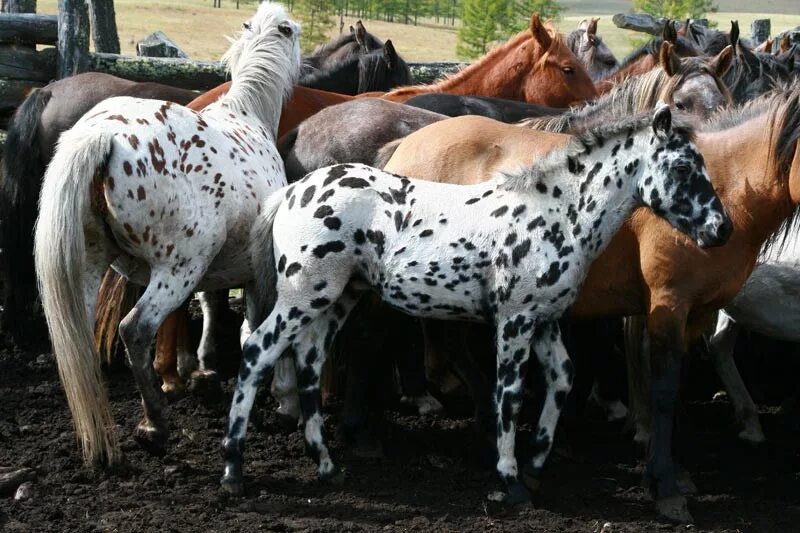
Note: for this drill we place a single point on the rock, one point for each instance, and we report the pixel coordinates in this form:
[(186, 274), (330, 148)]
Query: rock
[(10, 479), (159, 45), (24, 492)]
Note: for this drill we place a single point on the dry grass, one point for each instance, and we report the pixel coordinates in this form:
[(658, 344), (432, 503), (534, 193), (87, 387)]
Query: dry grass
[(200, 29)]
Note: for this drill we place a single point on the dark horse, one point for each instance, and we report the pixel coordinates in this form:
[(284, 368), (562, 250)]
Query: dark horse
[(32, 135), (454, 105), (379, 70)]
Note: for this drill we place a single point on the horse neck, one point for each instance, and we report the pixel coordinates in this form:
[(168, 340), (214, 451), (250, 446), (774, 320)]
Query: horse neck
[(497, 74), (755, 197), (261, 91), (641, 65)]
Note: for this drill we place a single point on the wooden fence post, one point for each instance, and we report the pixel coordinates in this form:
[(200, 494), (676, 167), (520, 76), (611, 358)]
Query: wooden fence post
[(19, 6), (104, 26), (759, 31), (73, 37)]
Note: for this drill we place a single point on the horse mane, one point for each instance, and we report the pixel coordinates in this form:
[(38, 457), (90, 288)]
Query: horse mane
[(582, 143), (372, 70), (635, 94), (749, 67), (262, 75)]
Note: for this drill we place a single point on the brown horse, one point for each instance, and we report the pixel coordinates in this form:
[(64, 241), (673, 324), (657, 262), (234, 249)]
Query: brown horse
[(753, 157), (535, 66)]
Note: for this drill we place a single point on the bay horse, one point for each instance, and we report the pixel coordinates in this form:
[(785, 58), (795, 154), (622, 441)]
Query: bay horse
[(31, 141), (167, 195), (511, 252), (650, 270)]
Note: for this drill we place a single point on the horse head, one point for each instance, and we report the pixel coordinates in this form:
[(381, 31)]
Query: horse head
[(553, 76), (696, 85)]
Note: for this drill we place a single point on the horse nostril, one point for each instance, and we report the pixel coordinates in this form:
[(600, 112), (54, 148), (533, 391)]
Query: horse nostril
[(724, 231)]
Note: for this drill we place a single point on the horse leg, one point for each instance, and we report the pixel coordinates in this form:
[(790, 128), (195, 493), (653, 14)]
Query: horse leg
[(284, 390), (559, 374), (187, 361), (637, 360), (166, 363), (721, 345), (513, 350), (311, 348), (205, 378), (666, 325), (164, 294), (411, 368)]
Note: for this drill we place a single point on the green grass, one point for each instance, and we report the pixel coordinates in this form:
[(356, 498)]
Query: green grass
[(199, 29)]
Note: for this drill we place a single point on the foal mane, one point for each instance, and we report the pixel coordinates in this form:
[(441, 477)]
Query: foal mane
[(583, 143), (635, 94)]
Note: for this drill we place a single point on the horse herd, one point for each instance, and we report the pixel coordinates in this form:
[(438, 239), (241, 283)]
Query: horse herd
[(544, 180)]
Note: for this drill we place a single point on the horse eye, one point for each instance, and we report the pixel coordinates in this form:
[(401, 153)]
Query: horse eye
[(245, 25), (680, 105), (682, 169), (568, 70), (285, 29)]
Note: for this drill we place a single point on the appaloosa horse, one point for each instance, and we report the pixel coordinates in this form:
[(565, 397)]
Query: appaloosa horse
[(168, 196), (512, 252)]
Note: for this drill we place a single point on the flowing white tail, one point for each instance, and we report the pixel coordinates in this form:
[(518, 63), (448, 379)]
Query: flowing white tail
[(60, 256)]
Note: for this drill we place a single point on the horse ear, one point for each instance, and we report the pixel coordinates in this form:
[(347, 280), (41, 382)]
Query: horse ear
[(583, 25), (352, 29), (685, 28), (669, 61), (592, 29), (734, 34), (389, 54), (786, 43), (361, 35), (720, 64), (662, 121), (539, 32), (787, 58), (670, 35)]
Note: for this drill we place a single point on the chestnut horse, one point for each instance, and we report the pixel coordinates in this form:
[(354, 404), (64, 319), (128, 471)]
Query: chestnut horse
[(753, 157), (535, 66)]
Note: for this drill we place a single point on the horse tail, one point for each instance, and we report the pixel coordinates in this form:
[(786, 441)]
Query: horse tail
[(60, 257), (386, 152), (115, 299), (23, 168), (262, 256)]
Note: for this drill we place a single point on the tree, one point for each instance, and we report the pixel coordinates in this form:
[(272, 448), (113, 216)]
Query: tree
[(676, 9), (484, 22), (317, 19)]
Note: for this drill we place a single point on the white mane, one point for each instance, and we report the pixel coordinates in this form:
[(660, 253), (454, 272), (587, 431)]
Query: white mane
[(264, 65)]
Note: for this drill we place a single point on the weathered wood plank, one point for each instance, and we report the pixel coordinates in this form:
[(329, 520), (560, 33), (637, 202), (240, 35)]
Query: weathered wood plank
[(73, 37), (23, 63), (104, 26), (640, 22), (760, 30), (28, 28), (205, 75)]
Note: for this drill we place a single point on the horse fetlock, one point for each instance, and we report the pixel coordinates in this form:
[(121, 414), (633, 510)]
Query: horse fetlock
[(674, 509), (752, 433), (531, 477), (330, 473), (152, 436)]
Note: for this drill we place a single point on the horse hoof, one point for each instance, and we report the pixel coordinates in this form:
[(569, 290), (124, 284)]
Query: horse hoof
[(286, 423), (173, 391), (674, 509), (685, 484), (336, 476), (530, 478), (233, 486), (151, 439), (205, 384), (516, 494), (752, 435), (425, 404)]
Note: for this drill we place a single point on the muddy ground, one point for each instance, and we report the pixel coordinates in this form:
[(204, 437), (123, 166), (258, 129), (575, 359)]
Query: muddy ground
[(434, 476)]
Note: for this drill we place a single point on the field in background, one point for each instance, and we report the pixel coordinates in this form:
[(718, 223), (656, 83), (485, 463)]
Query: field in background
[(200, 29)]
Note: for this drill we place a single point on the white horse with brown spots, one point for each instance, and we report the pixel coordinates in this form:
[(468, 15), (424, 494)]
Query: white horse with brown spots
[(512, 252), (167, 195)]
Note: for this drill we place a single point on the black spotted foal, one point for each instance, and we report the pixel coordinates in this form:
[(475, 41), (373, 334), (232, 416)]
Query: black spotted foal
[(512, 252)]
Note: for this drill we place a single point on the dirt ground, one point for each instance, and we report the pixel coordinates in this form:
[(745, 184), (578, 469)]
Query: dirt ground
[(433, 477)]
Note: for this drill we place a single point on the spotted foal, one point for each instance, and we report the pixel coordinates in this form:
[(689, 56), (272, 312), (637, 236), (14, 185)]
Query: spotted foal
[(512, 252)]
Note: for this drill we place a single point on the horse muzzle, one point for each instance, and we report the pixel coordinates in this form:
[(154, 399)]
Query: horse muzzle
[(715, 232)]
